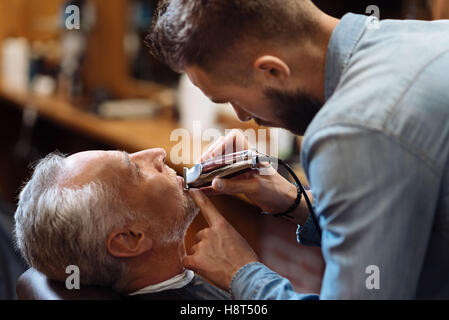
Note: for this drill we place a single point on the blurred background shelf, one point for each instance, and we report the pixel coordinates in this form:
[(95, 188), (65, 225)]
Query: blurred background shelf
[(130, 134)]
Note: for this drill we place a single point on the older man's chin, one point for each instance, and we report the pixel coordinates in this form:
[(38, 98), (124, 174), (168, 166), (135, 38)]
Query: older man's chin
[(190, 208), (175, 232)]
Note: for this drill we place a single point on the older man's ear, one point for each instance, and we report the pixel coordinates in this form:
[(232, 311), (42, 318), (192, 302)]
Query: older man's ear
[(128, 242)]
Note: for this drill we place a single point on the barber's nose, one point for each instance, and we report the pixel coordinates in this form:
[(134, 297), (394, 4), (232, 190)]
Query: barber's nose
[(242, 115)]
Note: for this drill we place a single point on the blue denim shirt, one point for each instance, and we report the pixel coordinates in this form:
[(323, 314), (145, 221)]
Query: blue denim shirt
[(376, 156)]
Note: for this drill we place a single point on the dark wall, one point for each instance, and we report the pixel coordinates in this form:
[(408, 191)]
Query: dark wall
[(389, 9), (45, 137)]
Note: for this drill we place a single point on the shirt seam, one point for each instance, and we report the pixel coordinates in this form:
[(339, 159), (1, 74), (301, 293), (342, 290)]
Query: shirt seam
[(385, 132), (411, 85), (347, 58), (405, 145)]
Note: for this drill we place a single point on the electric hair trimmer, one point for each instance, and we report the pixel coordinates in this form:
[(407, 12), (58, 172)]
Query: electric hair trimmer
[(226, 166)]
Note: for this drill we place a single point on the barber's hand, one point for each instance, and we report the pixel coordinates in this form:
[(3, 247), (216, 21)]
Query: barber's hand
[(220, 250), (271, 192)]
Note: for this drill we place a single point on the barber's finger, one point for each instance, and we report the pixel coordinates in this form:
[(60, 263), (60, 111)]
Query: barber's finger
[(234, 186), (208, 210), (233, 142), (199, 236), (207, 154), (189, 262), (209, 191), (193, 249), (246, 175)]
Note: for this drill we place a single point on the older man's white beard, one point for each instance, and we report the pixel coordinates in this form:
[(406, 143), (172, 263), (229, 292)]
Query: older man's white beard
[(178, 229), (191, 210)]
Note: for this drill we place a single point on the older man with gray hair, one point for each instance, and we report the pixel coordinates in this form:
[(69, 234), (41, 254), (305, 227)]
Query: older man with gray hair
[(121, 218)]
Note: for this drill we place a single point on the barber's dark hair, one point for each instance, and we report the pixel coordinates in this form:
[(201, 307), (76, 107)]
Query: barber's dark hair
[(202, 32)]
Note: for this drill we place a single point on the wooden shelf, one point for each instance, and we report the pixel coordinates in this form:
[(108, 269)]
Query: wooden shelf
[(131, 134)]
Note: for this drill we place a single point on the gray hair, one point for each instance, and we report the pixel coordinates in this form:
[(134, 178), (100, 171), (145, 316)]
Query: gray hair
[(59, 226)]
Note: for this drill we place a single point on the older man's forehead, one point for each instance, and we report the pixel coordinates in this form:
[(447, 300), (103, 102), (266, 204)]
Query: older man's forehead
[(85, 167)]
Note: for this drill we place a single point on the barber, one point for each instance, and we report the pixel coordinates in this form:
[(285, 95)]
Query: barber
[(373, 97)]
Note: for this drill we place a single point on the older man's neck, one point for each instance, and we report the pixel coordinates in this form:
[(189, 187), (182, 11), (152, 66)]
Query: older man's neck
[(162, 264)]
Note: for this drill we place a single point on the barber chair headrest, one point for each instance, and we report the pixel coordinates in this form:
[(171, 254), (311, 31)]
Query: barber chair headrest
[(33, 285)]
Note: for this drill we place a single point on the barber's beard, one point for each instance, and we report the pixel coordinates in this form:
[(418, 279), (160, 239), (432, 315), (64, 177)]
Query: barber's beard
[(175, 233), (293, 111)]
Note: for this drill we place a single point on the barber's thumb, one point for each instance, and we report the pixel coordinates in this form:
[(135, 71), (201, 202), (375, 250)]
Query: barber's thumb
[(219, 184), (231, 186)]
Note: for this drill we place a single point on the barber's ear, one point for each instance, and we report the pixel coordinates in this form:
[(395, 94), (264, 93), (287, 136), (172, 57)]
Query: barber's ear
[(271, 68), (128, 242)]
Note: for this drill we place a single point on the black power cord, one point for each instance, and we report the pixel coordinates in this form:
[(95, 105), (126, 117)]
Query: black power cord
[(299, 185)]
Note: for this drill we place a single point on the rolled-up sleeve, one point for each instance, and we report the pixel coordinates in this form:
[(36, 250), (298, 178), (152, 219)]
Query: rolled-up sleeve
[(256, 281)]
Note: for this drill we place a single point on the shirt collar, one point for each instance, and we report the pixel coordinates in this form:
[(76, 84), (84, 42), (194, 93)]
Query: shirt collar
[(341, 47), (178, 281)]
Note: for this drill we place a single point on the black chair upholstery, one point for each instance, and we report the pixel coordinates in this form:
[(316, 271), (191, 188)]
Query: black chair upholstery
[(33, 285), (11, 263)]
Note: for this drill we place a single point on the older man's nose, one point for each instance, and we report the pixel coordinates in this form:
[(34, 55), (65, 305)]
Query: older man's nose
[(160, 152), (151, 158), (150, 154)]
